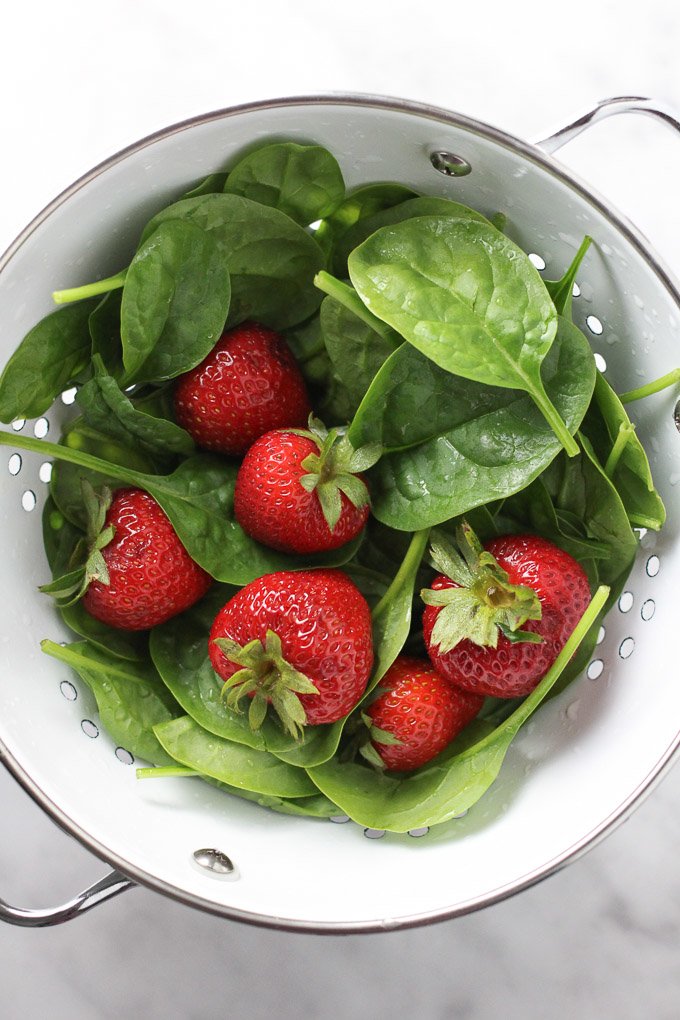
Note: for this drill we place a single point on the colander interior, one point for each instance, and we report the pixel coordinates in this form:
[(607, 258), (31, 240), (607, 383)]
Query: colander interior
[(580, 762)]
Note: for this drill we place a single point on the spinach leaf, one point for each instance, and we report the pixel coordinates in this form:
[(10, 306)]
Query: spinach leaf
[(235, 764), (366, 200), (130, 697), (106, 408), (60, 538), (49, 358), (423, 205), (179, 650), (452, 782), (579, 485), (303, 181), (198, 498), (311, 806), (213, 184), (175, 301), (271, 260), (392, 616), (454, 444), (562, 291), (355, 350), (131, 645), (618, 448), (468, 298), (104, 326)]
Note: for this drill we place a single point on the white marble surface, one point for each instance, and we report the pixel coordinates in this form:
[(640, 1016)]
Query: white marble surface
[(81, 80)]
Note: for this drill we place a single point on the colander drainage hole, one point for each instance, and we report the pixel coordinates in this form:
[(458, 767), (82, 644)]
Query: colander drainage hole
[(45, 472), (417, 833), (595, 669), (124, 756), (537, 261), (626, 601), (374, 833), (626, 648), (90, 729), (600, 363), (652, 566), (594, 325), (648, 609), (28, 500), (41, 428), (68, 690), (69, 395), (339, 819), (600, 636), (14, 464), (576, 290), (18, 424)]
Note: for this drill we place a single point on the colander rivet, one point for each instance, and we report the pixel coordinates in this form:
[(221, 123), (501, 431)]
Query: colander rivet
[(449, 164), (216, 862), (676, 416)]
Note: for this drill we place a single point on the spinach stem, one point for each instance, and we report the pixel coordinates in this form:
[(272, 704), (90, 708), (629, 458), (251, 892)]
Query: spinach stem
[(166, 770), (551, 415), (348, 297), (71, 658), (414, 555), (61, 297), (77, 457), (626, 432), (670, 379)]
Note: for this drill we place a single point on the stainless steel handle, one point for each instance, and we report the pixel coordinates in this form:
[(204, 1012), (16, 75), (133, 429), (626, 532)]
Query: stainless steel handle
[(107, 887), (610, 108)]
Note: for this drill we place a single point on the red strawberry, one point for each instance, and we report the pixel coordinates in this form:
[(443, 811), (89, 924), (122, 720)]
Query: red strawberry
[(138, 574), (420, 710), (297, 491), (476, 607), (300, 640), (248, 384)]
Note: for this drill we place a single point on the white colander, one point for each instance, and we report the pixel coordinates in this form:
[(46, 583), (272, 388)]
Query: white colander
[(577, 768)]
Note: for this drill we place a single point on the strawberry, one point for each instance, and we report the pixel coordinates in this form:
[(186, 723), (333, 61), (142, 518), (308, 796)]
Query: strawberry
[(137, 572), (301, 641), (477, 605), (417, 716), (249, 384), (298, 491)]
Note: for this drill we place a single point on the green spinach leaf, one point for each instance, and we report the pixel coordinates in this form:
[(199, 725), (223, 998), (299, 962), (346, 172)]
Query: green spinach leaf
[(468, 298), (271, 260), (175, 301), (366, 200), (49, 358), (562, 291), (235, 764), (108, 410), (303, 181), (607, 425), (355, 350), (453, 444)]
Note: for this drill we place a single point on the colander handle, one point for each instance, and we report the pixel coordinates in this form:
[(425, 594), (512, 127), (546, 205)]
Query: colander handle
[(107, 887), (609, 108)]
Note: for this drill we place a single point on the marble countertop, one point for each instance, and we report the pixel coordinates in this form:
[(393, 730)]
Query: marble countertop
[(80, 81)]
